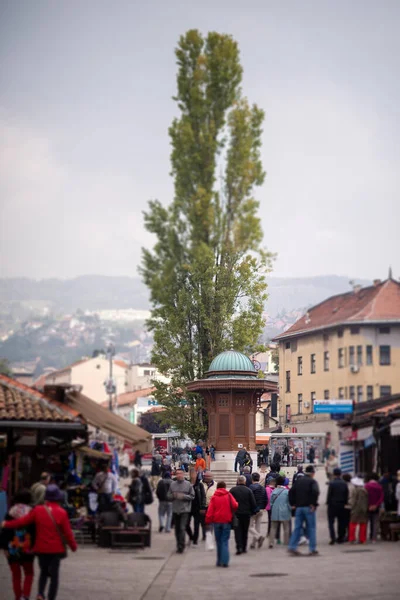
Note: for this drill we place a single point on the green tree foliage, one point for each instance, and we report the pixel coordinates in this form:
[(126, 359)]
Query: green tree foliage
[(206, 270), (5, 367), (152, 423)]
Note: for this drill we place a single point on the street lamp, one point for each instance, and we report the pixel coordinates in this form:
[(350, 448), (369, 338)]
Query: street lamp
[(110, 385)]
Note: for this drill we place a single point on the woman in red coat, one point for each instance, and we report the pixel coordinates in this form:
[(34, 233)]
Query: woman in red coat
[(52, 528), (220, 512)]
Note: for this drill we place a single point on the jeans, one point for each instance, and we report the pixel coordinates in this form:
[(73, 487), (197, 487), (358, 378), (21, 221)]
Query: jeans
[(138, 507), (222, 532), (180, 522), (304, 514), (49, 568), (17, 568), (339, 513), (165, 514), (373, 517), (242, 532)]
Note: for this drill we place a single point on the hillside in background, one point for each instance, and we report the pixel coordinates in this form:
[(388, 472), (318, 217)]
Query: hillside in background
[(59, 321)]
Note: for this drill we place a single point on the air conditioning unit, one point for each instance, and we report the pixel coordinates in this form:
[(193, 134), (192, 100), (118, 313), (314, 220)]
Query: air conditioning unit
[(354, 368), (306, 405)]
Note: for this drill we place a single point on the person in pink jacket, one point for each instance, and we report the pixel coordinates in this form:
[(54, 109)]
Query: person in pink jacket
[(375, 499), (271, 485)]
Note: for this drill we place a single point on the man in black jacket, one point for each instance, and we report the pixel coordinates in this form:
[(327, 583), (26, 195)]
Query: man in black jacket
[(337, 498), (303, 496), (261, 499), (247, 507)]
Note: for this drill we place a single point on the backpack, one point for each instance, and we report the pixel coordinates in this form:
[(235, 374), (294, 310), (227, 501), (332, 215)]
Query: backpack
[(147, 493)]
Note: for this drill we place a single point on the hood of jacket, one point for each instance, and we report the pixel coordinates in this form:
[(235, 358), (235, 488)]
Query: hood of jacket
[(221, 492)]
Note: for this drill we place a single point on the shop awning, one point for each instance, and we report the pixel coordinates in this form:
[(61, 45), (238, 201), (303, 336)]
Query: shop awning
[(103, 419), (93, 453), (395, 427)]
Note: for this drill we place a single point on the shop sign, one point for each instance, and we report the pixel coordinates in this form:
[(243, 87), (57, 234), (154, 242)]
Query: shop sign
[(333, 406)]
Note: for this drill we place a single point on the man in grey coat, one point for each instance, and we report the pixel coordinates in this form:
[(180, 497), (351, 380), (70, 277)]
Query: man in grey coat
[(181, 493)]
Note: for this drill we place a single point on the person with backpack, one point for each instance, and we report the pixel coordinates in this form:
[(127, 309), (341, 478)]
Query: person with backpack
[(358, 502), (17, 545), (198, 507), (53, 534), (135, 492), (165, 503)]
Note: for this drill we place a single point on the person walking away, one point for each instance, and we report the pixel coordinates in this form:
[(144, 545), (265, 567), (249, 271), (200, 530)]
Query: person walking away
[(248, 462), (198, 506), (358, 511), (220, 513), (146, 490), (105, 484), (135, 492), (347, 509), (311, 455), (375, 499), (212, 452), (261, 499), (281, 512), (185, 461), (38, 490), (247, 475), (52, 527), (165, 503), (277, 459), (298, 474), (17, 545), (331, 464), (155, 473), (181, 493), (269, 488), (240, 459), (200, 465), (336, 500), (137, 459), (247, 507), (304, 497)]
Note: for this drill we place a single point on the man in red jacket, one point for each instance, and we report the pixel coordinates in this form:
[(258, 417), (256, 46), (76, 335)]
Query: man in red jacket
[(52, 528), (220, 512)]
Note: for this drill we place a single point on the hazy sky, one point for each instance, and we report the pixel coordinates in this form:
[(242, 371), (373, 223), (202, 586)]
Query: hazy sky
[(85, 105)]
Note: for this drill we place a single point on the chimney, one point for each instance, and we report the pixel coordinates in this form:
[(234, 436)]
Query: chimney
[(377, 282)]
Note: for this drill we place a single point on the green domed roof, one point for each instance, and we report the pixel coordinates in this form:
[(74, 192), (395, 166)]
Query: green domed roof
[(230, 360)]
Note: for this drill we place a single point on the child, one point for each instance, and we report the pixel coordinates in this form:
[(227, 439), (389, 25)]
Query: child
[(17, 544)]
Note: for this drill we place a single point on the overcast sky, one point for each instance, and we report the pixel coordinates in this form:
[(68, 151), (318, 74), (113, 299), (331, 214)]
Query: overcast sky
[(85, 105)]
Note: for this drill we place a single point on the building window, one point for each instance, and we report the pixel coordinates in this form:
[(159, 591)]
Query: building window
[(341, 393), (287, 413), (340, 333), (384, 355), (313, 398), (354, 330), (300, 404), (384, 329), (326, 360), (313, 363), (288, 381), (326, 394), (385, 390), (359, 355), (287, 345), (359, 393), (368, 358), (293, 346), (351, 355), (299, 365), (341, 358), (352, 392), (370, 392), (325, 337)]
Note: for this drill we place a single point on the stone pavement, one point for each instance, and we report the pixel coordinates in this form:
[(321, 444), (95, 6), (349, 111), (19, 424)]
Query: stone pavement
[(340, 572)]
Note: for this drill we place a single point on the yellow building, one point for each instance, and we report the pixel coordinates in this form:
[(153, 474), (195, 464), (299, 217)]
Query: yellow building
[(347, 347)]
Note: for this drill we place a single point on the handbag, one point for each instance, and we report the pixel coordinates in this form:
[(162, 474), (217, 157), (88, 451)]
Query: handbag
[(60, 533), (235, 520)]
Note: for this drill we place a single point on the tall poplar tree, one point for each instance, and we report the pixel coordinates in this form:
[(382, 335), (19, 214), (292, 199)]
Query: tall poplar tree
[(206, 270)]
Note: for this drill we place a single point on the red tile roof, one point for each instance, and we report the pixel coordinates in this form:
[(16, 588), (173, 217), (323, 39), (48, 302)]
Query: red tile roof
[(374, 304), (18, 402), (131, 397), (121, 363)]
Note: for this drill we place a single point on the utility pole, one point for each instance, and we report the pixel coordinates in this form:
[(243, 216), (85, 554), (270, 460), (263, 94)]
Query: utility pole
[(110, 385)]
